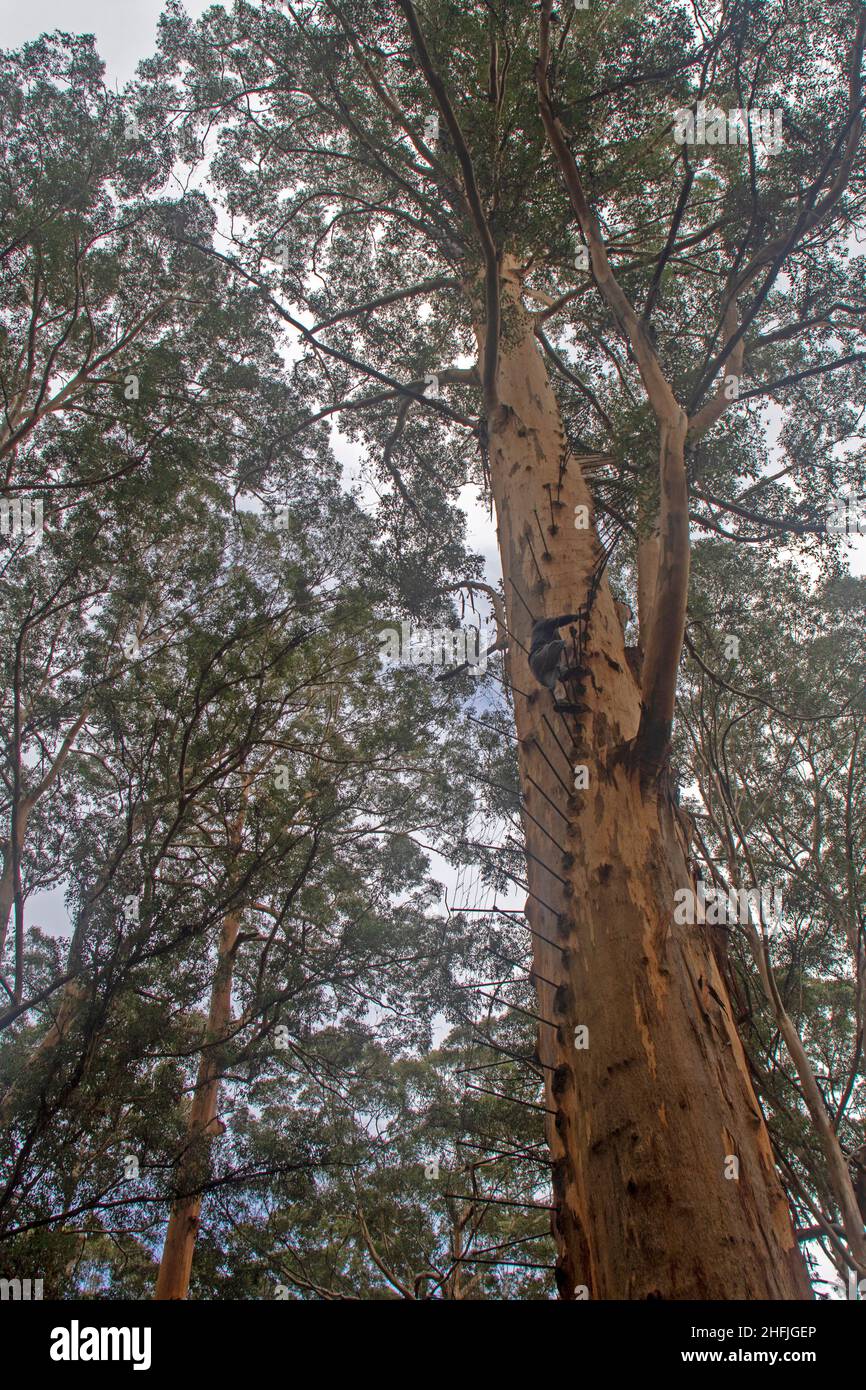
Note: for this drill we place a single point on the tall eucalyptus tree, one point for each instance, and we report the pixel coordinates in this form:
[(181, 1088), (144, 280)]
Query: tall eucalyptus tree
[(568, 254)]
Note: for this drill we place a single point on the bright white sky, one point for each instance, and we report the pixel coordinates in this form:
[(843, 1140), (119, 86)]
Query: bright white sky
[(125, 29)]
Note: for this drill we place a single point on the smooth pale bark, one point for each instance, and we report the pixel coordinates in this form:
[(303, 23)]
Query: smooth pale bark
[(194, 1167), (646, 1119), (647, 578), (667, 619)]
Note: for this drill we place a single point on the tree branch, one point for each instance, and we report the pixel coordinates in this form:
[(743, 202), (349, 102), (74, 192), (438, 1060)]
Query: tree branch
[(476, 211)]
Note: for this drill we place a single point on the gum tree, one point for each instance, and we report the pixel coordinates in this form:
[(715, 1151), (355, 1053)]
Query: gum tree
[(777, 798), (499, 264), (245, 888), (165, 652), (137, 391)]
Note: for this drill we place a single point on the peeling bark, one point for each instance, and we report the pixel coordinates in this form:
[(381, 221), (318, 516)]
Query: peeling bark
[(647, 1115)]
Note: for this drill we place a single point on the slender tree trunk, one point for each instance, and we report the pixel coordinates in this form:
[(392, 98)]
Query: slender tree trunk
[(649, 1116), (194, 1166), (12, 851)]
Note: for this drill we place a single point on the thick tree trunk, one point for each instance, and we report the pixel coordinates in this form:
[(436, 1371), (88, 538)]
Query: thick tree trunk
[(648, 1117), (194, 1167)]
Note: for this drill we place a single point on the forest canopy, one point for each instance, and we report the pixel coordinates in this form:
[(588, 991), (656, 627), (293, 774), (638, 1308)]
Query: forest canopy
[(433, 645)]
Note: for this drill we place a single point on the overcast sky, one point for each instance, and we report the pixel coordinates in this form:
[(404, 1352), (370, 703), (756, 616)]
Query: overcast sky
[(125, 29)]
